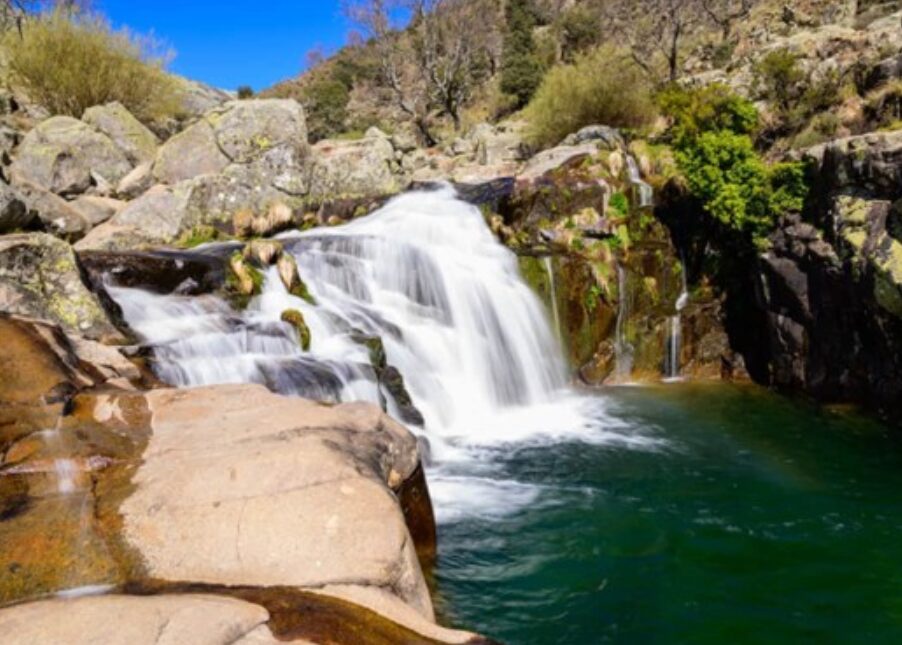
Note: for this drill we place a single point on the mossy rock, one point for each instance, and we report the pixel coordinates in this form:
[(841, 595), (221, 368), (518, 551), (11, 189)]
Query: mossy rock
[(296, 319)]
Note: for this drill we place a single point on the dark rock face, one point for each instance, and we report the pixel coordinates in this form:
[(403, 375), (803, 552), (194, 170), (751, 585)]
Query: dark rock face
[(158, 271), (821, 311)]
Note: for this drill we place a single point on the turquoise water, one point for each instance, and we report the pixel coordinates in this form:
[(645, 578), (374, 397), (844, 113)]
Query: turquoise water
[(757, 519)]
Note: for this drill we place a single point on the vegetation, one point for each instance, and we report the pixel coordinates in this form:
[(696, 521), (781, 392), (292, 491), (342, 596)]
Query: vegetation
[(521, 71), (69, 61), (602, 86), (245, 92), (715, 152)]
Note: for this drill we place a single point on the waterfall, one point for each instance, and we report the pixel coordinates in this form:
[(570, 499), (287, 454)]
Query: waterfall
[(674, 340), (65, 469), (623, 350), (645, 192), (426, 275), (552, 294)]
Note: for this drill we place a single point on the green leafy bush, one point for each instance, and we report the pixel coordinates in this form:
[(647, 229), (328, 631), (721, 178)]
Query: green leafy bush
[(68, 62), (245, 92), (723, 170), (603, 86), (326, 103)]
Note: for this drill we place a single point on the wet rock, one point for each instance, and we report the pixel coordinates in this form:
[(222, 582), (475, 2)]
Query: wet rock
[(61, 153), (288, 273), (41, 277), (296, 319), (162, 272), (131, 136)]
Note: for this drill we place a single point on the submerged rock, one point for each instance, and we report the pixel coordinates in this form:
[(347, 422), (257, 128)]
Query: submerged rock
[(296, 319)]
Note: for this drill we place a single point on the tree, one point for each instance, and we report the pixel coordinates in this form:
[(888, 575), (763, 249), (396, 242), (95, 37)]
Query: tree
[(655, 30), (432, 66), (724, 13), (521, 71)]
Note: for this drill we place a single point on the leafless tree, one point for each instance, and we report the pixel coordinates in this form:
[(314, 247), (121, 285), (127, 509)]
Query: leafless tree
[(434, 63), (655, 30), (725, 13)]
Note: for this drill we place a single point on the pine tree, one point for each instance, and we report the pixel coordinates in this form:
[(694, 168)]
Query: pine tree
[(521, 71)]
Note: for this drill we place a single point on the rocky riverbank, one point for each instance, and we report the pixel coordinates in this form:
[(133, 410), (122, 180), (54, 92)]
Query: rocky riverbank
[(226, 512)]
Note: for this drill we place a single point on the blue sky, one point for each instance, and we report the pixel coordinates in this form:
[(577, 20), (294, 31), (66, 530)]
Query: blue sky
[(228, 43)]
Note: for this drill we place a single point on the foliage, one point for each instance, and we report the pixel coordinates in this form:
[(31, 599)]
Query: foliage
[(326, 101), (602, 86), (521, 71), (69, 62), (245, 92), (779, 76), (578, 31), (710, 108), (721, 166), (619, 204), (197, 235)]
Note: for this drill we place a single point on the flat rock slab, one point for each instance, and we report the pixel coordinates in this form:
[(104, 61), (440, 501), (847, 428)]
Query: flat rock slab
[(239, 486)]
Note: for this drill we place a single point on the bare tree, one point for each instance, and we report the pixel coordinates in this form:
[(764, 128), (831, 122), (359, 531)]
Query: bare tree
[(433, 65), (655, 30), (725, 13)]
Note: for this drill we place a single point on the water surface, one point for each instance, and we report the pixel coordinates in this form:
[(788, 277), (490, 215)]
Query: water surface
[(748, 518)]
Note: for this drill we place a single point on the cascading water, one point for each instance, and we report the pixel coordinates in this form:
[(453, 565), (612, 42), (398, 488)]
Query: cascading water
[(425, 275), (644, 191), (623, 349), (674, 340), (552, 295)]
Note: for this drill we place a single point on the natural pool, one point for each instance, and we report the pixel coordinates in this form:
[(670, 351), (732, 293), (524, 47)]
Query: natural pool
[(754, 519)]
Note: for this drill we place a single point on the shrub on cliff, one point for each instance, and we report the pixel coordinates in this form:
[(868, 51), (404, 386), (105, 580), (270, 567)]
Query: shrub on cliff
[(603, 86), (68, 62), (711, 130)]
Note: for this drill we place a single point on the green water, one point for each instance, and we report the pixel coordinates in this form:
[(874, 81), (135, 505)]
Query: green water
[(760, 520)]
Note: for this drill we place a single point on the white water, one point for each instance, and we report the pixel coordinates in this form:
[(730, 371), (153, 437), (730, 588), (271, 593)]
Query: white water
[(675, 337), (425, 274), (552, 294), (645, 192), (65, 470), (623, 349)]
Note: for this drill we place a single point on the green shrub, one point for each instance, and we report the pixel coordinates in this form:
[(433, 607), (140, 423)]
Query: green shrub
[(69, 62), (602, 86), (779, 76), (326, 103), (245, 92), (578, 31), (723, 170), (711, 108)]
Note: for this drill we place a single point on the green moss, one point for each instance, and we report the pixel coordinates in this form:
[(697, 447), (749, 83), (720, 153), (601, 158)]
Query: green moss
[(296, 319), (197, 235)]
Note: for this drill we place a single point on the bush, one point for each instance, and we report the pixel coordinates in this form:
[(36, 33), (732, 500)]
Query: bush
[(780, 78), (326, 102), (245, 92), (602, 86), (70, 62), (716, 154)]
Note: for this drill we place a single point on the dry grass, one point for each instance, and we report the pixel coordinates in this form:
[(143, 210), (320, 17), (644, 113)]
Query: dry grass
[(70, 62)]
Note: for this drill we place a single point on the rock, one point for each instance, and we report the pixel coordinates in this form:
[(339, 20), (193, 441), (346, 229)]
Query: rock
[(131, 136), (245, 130), (61, 153), (199, 98), (295, 319), (40, 277), (163, 272), (263, 253), (404, 141), (375, 133), (603, 136), (288, 273), (136, 183), (158, 216), (14, 214), (189, 154), (554, 158), (134, 620), (352, 168), (96, 210), (495, 145), (293, 511), (244, 279), (56, 214)]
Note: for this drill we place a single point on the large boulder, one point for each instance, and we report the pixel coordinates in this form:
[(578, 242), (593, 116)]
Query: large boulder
[(189, 154), (353, 168), (56, 215), (67, 156), (131, 136), (40, 277)]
